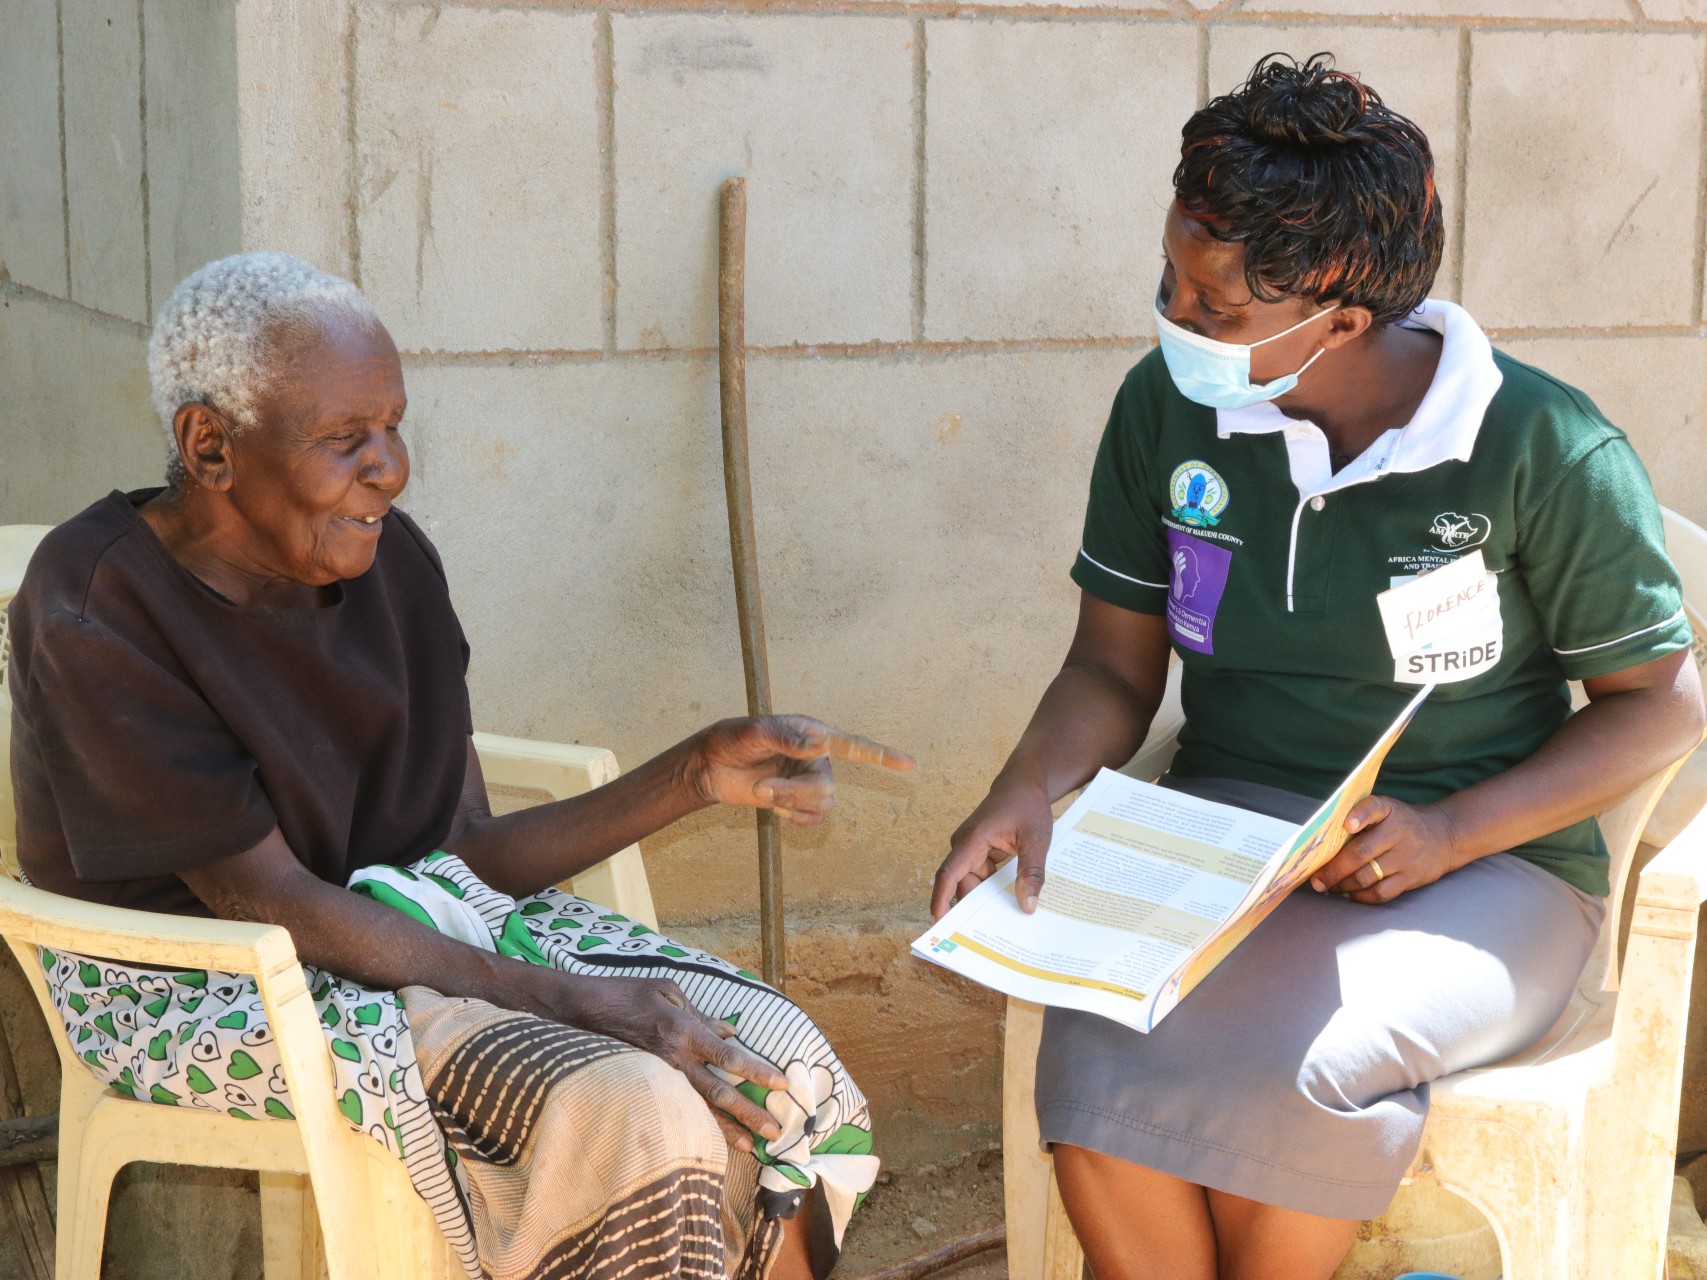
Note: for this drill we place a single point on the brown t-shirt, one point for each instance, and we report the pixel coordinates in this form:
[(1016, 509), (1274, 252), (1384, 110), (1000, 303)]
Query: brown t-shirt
[(157, 727)]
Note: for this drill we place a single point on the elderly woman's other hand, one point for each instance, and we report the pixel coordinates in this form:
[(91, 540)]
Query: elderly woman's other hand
[(781, 763), (653, 1014)]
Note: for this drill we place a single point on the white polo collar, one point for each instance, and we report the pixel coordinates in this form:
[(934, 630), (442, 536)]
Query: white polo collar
[(1443, 429)]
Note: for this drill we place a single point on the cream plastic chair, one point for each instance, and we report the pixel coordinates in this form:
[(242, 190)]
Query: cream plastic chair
[(334, 1203), (1567, 1148)]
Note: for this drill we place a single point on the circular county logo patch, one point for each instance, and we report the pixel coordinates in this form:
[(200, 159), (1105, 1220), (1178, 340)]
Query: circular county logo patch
[(1199, 494)]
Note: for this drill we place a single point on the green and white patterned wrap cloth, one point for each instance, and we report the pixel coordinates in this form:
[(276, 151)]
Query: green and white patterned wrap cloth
[(200, 1039)]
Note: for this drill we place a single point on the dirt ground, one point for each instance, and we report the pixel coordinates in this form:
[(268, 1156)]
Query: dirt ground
[(918, 1210)]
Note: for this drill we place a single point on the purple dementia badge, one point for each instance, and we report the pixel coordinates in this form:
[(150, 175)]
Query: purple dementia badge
[(1197, 575)]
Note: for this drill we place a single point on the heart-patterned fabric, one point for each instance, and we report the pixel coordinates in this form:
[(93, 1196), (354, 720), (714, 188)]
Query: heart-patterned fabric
[(201, 1039)]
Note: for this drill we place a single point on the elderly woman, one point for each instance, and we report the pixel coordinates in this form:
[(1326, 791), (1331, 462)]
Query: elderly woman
[(243, 695), (1312, 432)]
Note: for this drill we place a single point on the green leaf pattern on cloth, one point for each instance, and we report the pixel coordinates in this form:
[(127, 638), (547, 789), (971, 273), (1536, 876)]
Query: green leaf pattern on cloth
[(201, 1040)]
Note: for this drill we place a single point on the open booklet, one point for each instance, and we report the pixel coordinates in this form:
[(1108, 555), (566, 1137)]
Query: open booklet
[(1147, 891)]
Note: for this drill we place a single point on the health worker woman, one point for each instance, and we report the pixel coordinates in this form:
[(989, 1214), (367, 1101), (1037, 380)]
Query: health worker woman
[(1313, 431)]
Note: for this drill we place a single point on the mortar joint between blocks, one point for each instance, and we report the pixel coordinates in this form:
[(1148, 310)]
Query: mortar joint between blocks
[(24, 293), (1461, 178), (142, 130), (1202, 65), (921, 78), (604, 64), (64, 166), (1699, 301), (1168, 10), (352, 148)]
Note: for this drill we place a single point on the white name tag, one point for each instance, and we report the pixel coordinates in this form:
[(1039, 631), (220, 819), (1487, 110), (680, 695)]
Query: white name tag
[(1444, 626)]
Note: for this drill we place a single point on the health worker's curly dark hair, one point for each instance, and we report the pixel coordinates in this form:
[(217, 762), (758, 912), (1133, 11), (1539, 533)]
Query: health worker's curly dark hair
[(1330, 191)]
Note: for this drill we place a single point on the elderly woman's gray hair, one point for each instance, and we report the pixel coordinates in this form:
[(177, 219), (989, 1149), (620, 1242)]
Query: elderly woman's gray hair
[(214, 340)]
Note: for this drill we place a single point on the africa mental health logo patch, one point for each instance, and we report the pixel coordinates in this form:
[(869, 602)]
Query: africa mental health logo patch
[(1199, 494)]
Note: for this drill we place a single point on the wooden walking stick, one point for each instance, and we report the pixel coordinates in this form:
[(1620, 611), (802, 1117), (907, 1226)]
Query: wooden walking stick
[(743, 550)]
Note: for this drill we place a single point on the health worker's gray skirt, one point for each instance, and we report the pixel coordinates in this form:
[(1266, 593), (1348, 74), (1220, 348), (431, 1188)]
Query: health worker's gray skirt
[(1296, 1074)]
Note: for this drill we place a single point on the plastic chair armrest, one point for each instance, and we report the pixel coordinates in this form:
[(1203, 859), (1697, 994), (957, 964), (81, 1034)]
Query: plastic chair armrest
[(559, 769), (1153, 759), (1677, 876), (33, 918), (1162, 741), (43, 919)]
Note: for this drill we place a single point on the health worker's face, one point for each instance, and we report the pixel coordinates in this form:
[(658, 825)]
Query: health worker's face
[(1203, 289)]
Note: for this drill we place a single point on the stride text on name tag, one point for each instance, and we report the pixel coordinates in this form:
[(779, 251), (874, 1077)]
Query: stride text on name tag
[(1445, 666)]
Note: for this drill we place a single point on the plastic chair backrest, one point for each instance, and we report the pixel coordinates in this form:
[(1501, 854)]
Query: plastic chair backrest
[(1623, 823), (18, 543)]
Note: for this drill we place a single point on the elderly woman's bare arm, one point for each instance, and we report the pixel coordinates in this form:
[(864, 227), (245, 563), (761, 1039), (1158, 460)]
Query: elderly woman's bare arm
[(777, 762), (363, 941)]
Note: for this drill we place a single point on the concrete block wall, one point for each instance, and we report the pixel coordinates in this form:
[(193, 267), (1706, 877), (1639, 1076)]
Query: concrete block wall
[(953, 246), (951, 257), (118, 177), (952, 249)]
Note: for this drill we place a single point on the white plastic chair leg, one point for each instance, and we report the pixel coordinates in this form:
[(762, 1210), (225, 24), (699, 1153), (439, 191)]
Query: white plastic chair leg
[(1025, 1169), (1041, 1243), (81, 1222), (78, 1249), (290, 1240), (1527, 1251), (1063, 1259), (1520, 1182)]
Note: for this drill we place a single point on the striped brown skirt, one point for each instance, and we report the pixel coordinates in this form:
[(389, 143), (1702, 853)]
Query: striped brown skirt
[(592, 1159)]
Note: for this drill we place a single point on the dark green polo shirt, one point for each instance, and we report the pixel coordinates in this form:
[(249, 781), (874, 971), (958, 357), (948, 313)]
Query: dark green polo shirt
[(1270, 595)]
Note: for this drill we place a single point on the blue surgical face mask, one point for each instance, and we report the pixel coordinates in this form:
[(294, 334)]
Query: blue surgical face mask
[(1218, 374)]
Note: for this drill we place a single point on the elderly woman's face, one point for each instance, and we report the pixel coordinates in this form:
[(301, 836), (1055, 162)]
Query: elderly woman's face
[(320, 469)]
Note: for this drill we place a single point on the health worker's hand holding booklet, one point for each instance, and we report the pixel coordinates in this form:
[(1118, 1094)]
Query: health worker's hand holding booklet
[(1147, 891)]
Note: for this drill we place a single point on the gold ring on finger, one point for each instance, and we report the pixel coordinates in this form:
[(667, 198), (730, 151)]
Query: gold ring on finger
[(1375, 866)]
